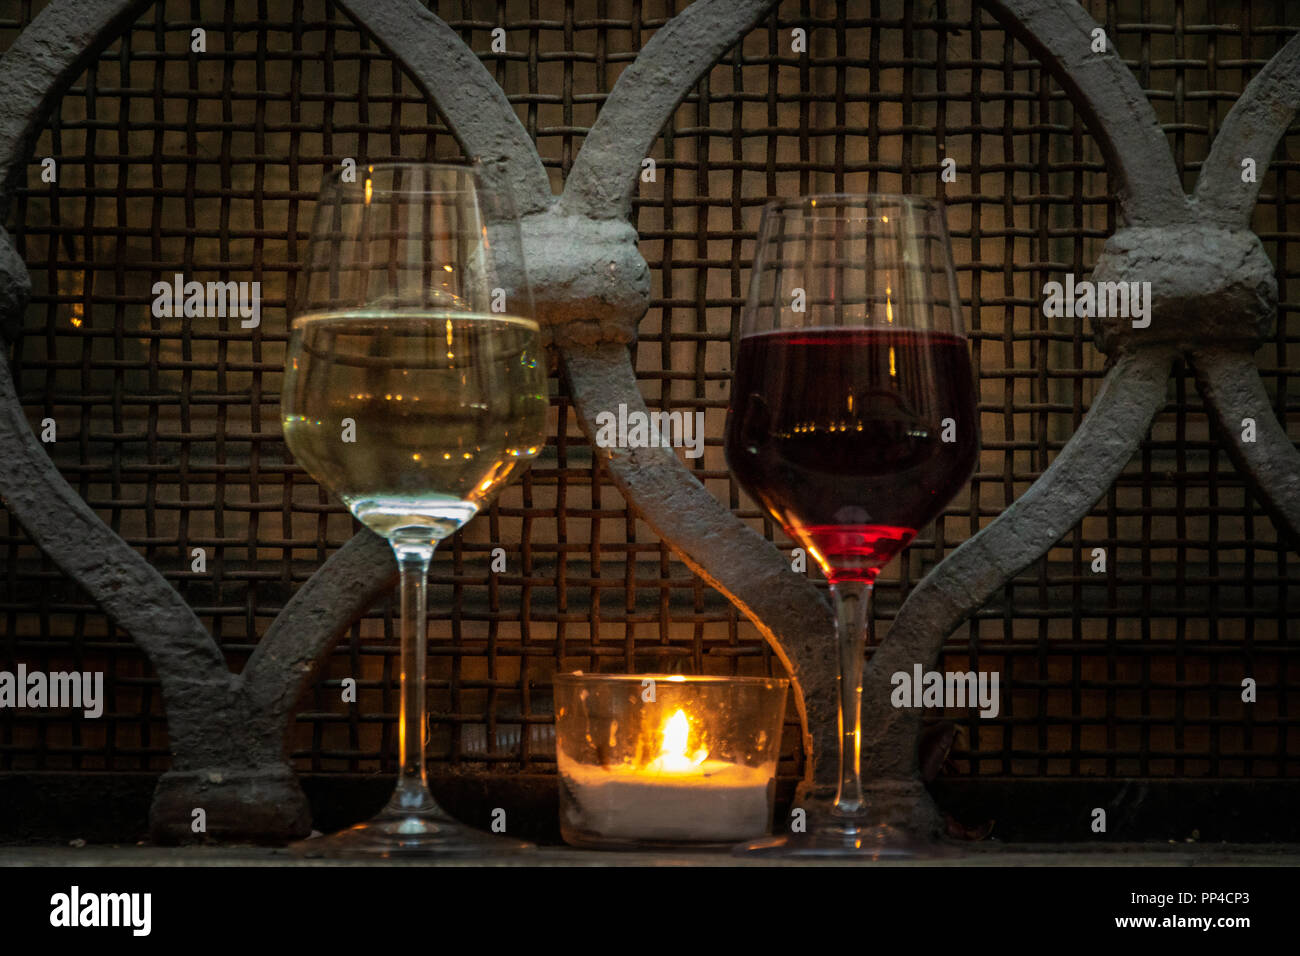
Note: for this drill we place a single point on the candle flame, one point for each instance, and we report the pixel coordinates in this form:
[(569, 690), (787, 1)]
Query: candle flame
[(673, 757), (677, 730)]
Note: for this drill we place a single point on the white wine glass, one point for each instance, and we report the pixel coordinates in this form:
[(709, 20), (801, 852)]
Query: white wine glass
[(415, 389)]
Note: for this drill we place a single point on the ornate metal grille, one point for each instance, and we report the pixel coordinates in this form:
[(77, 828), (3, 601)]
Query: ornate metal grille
[(174, 162)]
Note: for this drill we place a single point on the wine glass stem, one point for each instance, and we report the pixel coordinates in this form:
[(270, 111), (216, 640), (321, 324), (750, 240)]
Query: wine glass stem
[(412, 793), (852, 601)]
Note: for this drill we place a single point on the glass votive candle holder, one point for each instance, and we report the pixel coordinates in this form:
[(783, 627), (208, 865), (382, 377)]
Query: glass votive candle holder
[(659, 760)]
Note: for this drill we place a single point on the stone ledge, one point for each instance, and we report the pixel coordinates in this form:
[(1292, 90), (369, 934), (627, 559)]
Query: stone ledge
[(985, 854)]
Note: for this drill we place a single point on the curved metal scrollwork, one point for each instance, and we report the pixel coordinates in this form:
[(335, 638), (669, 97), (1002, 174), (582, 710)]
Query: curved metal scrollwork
[(1208, 292), (228, 731), (226, 750)]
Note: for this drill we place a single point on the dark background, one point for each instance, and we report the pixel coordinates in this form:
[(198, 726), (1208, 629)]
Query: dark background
[(1120, 689)]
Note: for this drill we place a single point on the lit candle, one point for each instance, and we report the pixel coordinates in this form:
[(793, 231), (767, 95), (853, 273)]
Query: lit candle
[(679, 796)]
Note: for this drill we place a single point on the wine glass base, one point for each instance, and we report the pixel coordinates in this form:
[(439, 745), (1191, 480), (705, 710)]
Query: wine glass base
[(849, 840), (407, 835)]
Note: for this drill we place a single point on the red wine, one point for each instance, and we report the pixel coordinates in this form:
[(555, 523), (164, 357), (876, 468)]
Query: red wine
[(839, 433)]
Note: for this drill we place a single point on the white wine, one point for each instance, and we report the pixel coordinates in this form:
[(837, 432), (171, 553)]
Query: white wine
[(414, 419)]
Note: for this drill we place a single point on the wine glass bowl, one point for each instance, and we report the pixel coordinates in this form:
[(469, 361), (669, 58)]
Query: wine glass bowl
[(415, 389), (853, 415), (440, 411)]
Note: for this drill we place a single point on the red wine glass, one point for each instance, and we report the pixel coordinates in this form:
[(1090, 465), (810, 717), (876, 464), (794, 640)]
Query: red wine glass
[(853, 423)]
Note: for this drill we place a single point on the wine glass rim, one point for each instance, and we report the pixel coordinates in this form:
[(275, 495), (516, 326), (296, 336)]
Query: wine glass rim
[(578, 677), (840, 200)]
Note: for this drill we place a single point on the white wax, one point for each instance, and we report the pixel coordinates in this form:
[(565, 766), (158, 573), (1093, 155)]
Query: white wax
[(715, 801)]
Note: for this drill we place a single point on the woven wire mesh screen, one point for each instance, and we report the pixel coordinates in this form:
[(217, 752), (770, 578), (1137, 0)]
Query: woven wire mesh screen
[(206, 165)]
